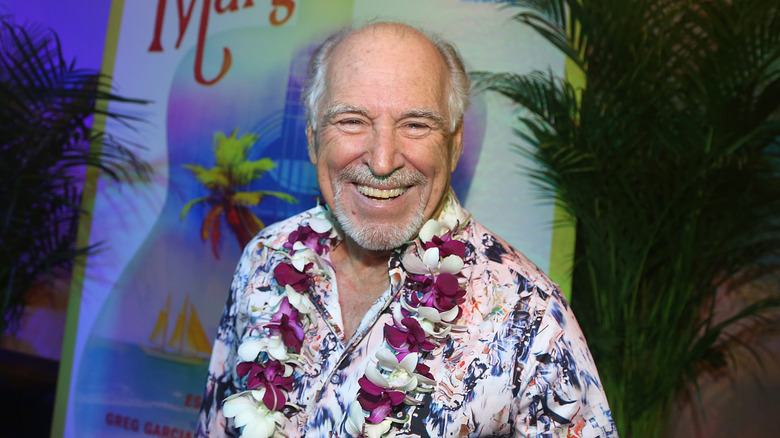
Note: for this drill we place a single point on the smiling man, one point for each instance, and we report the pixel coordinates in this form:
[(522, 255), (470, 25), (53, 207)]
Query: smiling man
[(389, 310)]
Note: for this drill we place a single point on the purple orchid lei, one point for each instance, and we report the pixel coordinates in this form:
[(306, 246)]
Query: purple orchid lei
[(420, 325)]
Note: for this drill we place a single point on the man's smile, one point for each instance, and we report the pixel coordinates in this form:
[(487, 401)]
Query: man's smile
[(374, 192)]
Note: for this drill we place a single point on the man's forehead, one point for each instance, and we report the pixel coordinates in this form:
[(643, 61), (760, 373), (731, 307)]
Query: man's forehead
[(382, 40), (391, 30), (384, 57)]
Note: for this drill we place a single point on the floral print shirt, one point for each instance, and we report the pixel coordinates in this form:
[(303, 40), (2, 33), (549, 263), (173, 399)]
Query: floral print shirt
[(521, 367)]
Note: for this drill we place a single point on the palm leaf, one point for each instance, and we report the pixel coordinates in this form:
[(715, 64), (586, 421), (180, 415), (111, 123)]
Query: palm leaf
[(254, 198), (215, 178), (231, 151), (245, 172), (189, 205), (668, 159), (46, 140)]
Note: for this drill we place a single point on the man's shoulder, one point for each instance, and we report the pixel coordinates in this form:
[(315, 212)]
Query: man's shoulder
[(491, 252), (276, 234)]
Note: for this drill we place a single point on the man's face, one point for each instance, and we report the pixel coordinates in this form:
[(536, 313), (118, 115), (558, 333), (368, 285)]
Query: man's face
[(384, 153)]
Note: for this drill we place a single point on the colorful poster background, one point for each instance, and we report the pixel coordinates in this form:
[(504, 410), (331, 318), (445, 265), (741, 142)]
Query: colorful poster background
[(151, 299)]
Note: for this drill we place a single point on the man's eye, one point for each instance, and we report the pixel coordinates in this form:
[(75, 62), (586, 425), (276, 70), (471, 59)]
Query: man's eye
[(416, 129), (351, 125)]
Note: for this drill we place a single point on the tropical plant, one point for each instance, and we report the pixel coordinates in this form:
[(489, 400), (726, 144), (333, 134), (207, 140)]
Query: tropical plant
[(47, 138), (667, 158), (232, 172)]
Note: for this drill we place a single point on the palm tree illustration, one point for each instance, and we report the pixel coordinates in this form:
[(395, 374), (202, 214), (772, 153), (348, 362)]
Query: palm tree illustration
[(227, 182)]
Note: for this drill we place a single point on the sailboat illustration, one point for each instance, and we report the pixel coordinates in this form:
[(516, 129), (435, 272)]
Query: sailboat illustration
[(188, 342)]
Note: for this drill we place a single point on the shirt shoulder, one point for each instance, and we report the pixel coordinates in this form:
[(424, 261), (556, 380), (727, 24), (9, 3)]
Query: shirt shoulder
[(257, 253), (492, 253)]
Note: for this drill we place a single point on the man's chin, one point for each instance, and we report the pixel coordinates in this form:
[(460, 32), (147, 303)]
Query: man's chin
[(380, 236), (377, 229)]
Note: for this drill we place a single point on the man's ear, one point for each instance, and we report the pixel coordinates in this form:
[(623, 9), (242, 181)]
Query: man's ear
[(456, 145), (311, 140)]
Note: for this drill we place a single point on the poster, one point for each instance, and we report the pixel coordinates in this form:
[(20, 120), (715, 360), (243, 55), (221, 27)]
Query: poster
[(220, 74)]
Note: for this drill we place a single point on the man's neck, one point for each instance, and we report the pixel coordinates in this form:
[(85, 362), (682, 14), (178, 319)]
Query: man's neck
[(361, 276)]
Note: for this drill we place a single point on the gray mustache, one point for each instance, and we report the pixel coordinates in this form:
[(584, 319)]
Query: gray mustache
[(361, 174)]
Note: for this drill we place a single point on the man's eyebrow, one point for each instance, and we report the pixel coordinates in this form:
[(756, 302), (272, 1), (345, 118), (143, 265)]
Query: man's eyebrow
[(342, 108), (426, 113)]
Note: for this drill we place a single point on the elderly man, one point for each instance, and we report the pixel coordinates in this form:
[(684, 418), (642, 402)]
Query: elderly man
[(389, 311)]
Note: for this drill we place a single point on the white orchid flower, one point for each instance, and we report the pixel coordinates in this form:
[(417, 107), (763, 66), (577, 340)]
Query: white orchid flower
[(450, 315), (429, 319), (430, 229), (356, 424), (299, 301), (452, 264), (429, 262), (432, 324), (413, 263), (430, 314), (382, 430), (388, 360), (303, 256), (403, 374), (273, 345), (433, 315), (435, 323), (376, 377), (452, 217), (431, 258), (355, 420), (436, 332), (320, 225), (248, 411)]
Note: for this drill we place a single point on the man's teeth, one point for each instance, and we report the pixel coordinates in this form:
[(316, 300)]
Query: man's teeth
[(381, 193)]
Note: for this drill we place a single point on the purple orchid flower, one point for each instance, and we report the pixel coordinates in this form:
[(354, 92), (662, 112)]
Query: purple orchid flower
[(310, 238), (268, 376), (286, 274), (447, 245), (287, 324), (408, 336), (424, 370), (377, 401), (442, 293)]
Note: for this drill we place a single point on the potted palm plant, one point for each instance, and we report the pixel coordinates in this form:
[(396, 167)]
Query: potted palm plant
[(47, 140), (667, 159)]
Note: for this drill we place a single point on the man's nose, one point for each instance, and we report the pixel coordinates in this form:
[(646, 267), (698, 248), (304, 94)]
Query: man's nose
[(383, 153)]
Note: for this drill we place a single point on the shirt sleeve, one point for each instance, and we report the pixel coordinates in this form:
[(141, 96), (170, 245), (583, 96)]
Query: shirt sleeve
[(563, 395), (222, 381)]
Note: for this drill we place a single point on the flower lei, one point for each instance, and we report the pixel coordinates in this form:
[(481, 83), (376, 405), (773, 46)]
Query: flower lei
[(420, 326)]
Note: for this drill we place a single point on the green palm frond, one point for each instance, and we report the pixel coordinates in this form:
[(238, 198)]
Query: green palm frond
[(552, 21), (231, 151), (213, 179), (46, 140), (253, 198), (248, 171), (668, 160), (188, 206)]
